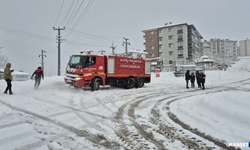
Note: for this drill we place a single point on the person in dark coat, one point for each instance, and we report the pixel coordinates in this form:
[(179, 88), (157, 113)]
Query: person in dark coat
[(38, 75), (8, 78), (198, 76), (187, 78), (202, 79), (192, 79)]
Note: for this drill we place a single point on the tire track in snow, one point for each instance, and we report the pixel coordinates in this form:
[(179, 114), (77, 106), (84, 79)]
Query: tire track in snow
[(195, 131), (124, 130), (95, 139), (71, 108), (138, 139)]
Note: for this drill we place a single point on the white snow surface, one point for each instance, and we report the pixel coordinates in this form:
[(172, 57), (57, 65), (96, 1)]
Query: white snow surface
[(57, 116)]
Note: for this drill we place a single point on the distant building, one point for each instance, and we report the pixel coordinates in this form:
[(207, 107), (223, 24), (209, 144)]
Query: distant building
[(220, 48), (245, 47), (173, 43), (16, 75)]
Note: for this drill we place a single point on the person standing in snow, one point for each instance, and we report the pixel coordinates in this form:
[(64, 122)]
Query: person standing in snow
[(202, 80), (38, 75), (8, 78), (198, 75), (192, 79), (187, 78)]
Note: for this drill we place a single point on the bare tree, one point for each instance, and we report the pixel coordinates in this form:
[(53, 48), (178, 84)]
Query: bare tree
[(3, 60)]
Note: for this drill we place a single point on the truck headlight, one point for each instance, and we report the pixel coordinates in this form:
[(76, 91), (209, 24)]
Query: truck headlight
[(78, 78)]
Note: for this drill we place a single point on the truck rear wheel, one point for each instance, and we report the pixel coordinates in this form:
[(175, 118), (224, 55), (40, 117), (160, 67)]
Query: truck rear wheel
[(130, 83), (95, 85), (139, 83)]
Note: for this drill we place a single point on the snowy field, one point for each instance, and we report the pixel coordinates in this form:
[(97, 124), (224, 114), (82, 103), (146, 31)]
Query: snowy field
[(161, 115)]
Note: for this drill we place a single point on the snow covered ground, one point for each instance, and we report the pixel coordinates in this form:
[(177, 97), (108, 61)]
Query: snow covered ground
[(161, 115)]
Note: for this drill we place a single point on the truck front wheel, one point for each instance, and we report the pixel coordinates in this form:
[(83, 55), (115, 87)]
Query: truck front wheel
[(95, 85)]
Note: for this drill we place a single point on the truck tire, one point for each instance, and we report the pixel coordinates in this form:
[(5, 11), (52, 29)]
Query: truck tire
[(95, 85), (130, 83), (139, 83)]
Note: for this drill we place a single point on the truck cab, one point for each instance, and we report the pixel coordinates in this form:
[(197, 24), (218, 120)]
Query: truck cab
[(82, 68)]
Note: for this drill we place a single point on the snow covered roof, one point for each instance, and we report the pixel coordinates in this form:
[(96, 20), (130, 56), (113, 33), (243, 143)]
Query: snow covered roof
[(205, 59), (153, 63)]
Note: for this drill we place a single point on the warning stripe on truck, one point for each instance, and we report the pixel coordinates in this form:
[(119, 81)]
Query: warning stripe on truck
[(126, 75)]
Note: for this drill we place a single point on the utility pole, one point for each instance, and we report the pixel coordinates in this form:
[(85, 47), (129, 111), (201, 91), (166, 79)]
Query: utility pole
[(42, 51), (113, 49), (59, 40), (126, 45), (102, 51)]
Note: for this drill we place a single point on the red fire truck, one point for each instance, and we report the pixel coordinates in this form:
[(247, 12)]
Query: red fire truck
[(93, 70)]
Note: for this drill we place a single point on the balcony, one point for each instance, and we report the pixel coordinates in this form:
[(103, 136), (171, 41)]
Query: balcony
[(179, 31), (180, 40), (180, 56), (180, 48)]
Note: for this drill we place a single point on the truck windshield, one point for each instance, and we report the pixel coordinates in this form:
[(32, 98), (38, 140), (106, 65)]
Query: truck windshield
[(81, 61)]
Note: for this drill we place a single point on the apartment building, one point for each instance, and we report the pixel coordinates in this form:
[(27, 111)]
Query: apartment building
[(220, 48), (244, 48), (173, 43)]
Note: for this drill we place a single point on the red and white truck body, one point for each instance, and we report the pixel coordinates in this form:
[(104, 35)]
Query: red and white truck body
[(90, 70)]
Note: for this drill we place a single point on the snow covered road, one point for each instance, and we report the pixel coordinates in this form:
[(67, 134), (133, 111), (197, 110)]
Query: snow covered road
[(161, 115)]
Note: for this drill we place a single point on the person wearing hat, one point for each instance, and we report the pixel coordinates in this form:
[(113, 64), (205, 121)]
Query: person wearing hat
[(38, 75), (8, 78)]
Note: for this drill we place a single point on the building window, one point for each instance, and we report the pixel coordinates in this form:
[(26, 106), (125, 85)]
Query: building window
[(151, 32), (152, 47), (170, 37), (160, 30), (170, 62), (169, 29), (179, 29), (180, 46), (180, 38), (160, 46), (152, 55), (170, 45), (170, 53), (160, 54), (160, 38), (151, 40), (180, 53)]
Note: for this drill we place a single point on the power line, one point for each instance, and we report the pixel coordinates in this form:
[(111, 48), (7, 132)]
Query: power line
[(74, 15), (95, 37), (18, 45), (81, 16), (59, 12), (67, 14), (25, 33)]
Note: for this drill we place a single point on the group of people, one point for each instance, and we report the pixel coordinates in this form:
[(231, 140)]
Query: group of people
[(38, 73), (200, 79)]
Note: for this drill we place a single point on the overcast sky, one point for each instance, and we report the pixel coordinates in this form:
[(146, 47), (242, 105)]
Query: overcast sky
[(26, 26)]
